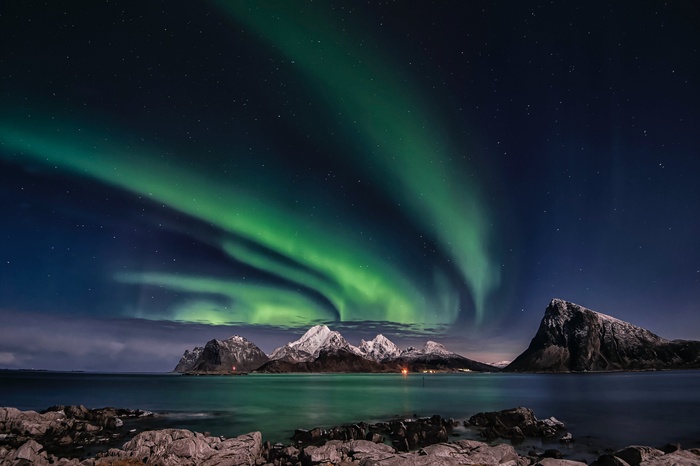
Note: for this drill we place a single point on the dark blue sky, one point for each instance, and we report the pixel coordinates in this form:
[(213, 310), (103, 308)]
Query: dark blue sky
[(171, 174)]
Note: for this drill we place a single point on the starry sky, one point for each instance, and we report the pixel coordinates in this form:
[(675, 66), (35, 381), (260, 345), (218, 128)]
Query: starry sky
[(174, 172)]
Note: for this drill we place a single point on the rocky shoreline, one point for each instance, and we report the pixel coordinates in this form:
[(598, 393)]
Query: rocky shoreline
[(77, 436)]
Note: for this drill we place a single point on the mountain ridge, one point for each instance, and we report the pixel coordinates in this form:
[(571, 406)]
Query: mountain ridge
[(321, 349)]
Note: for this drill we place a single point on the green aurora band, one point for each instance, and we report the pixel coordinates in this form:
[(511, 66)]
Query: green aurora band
[(355, 281), (392, 130)]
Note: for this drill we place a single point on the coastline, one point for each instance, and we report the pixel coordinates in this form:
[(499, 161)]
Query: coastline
[(75, 435)]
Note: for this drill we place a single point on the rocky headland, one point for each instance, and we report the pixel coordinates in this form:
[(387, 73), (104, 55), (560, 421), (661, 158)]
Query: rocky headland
[(572, 338), (59, 435)]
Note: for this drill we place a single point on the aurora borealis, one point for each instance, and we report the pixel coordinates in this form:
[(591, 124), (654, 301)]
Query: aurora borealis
[(172, 174)]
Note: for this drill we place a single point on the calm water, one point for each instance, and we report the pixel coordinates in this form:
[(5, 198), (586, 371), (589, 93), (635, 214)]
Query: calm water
[(612, 410)]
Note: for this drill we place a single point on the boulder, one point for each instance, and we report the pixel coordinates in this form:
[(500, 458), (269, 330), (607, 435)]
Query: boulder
[(182, 447), (634, 455), (556, 462), (365, 449), (328, 453), (677, 458), (609, 460), (514, 423), (30, 452)]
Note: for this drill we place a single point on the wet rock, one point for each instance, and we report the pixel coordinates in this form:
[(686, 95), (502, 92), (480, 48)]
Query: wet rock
[(609, 460), (567, 438), (405, 435), (552, 453), (515, 423)]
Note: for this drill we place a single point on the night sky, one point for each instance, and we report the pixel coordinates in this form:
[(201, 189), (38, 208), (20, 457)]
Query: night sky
[(172, 172)]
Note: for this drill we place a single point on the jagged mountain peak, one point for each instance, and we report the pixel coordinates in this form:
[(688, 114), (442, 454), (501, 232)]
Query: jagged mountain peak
[(433, 347), (379, 348), (307, 348), (430, 348)]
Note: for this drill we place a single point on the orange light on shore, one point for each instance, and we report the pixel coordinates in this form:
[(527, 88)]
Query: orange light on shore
[(404, 371)]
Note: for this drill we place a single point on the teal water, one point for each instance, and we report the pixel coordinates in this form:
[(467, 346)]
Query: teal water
[(613, 409)]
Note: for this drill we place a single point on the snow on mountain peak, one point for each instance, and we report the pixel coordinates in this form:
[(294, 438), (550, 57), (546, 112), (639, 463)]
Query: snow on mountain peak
[(379, 348), (432, 347), (314, 337), (308, 347)]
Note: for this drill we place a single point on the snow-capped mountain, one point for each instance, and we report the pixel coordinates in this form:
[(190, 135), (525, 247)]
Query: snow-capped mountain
[(573, 338), (430, 348), (434, 356), (378, 349), (308, 347), (233, 354)]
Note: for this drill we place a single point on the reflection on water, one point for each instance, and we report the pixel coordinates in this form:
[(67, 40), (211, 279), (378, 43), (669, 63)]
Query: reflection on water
[(642, 408)]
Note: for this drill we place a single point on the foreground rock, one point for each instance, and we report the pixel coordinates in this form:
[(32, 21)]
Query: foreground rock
[(573, 338), (647, 456), (25, 439), (516, 423), (183, 447), (64, 429), (404, 434)]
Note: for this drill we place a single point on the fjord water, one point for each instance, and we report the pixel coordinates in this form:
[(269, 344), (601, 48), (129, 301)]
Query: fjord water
[(614, 410)]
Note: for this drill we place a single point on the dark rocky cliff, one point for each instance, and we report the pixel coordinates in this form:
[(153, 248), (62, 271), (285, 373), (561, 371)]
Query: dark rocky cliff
[(573, 338), (235, 354)]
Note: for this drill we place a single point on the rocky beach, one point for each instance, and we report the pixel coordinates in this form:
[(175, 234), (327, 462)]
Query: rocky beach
[(75, 435)]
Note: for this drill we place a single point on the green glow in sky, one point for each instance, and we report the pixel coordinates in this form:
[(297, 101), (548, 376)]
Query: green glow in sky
[(359, 285), (399, 140), (246, 303)]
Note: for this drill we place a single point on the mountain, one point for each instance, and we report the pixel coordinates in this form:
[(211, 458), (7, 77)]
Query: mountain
[(573, 338), (435, 357), (233, 354), (189, 359), (378, 349), (308, 347)]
